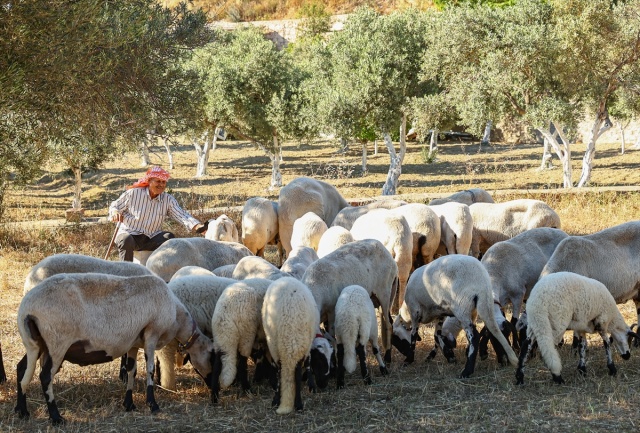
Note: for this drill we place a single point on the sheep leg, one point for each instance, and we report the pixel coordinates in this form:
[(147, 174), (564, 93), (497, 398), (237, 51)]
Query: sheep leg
[(525, 346), (636, 301), (215, 376), (607, 350), (298, 405), (501, 355), (447, 349), (472, 350), (438, 331), (311, 383), (363, 364), (49, 370), (376, 352), (341, 369), (242, 374), (276, 397), (515, 342), (582, 352), (123, 368), (130, 368), (149, 358)]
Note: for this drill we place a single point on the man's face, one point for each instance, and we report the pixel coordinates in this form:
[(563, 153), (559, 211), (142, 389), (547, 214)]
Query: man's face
[(156, 186)]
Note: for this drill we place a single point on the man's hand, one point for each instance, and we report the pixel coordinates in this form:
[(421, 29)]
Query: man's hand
[(117, 217)]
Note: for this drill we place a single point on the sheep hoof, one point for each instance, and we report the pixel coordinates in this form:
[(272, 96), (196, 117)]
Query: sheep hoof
[(519, 378), (557, 379), (387, 356), (582, 370), (384, 371), (340, 385), (367, 380), (58, 421), (22, 414), (612, 370)]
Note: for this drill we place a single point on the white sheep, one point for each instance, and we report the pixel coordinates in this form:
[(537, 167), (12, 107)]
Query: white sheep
[(307, 231), (396, 235), (177, 253), (468, 197), (426, 229), (456, 228), (332, 239), (298, 261), (93, 318), (563, 301), (303, 195), (609, 256), (454, 285), (495, 222), (366, 263), (222, 229), (199, 294), (190, 270), (236, 325), (225, 270), (290, 319), (347, 216), (256, 267), (79, 263), (356, 324), (260, 225)]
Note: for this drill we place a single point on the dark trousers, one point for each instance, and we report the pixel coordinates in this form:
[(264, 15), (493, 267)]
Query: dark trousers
[(128, 243)]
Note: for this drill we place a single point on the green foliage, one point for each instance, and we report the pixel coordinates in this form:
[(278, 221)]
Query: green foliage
[(428, 156), (441, 4), (316, 19)]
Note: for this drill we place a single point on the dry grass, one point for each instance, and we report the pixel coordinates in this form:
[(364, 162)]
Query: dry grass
[(419, 397)]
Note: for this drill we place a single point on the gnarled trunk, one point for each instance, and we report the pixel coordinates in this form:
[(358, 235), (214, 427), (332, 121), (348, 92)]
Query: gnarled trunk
[(601, 125), (395, 165), (562, 149)]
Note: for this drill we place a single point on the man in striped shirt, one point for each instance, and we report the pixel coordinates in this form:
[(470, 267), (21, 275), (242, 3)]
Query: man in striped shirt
[(142, 209)]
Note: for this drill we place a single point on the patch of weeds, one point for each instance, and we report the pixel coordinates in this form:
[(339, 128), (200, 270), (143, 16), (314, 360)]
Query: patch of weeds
[(341, 169), (428, 156)]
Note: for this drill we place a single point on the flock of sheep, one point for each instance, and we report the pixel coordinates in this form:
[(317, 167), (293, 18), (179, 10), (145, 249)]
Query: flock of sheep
[(217, 302)]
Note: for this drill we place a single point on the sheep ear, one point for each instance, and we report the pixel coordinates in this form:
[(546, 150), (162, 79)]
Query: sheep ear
[(633, 334), (635, 325)]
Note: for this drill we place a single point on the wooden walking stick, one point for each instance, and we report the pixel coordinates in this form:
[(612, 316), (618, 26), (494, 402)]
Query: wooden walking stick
[(113, 240)]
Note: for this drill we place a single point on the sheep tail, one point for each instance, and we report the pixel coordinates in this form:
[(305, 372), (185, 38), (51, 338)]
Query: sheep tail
[(540, 328), (229, 368), (485, 311)]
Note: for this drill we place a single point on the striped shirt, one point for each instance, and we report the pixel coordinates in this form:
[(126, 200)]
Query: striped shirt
[(144, 215)]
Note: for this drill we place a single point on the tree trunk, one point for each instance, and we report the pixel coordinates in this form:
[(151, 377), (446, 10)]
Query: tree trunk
[(546, 156), (144, 151), (344, 145), (601, 125), (622, 137), (486, 138), (276, 174), (433, 142), (375, 147), (563, 151), (203, 152), (165, 142), (364, 158), (76, 204), (395, 166)]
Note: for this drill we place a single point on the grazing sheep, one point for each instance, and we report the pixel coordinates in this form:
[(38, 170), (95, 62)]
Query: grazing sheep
[(93, 318), (609, 256), (298, 261), (199, 294), (222, 229), (190, 270), (562, 301), (236, 325), (396, 235), (303, 195), (468, 197), (347, 216), (456, 228), (307, 231), (332, 239), (225, 271), (256, 267), (79, 263), (356, 324), (495, 222), (260, 225), (426, 230), (454, 285), (290, 319), (366, 263), (180, 252)]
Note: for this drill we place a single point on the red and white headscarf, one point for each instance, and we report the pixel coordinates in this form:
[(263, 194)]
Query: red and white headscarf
[(154, 172)]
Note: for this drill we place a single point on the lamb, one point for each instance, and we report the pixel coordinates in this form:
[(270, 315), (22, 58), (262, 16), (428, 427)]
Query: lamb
[(303, 195), (562, 301), (366, 263), (290, 319), (307, 231), (179, 252), (396, 235), (609, 256), (190, 270), (222, 229), (260, 225), (454, 285), (71, 317), (256, 267), (356, 324), (79, 263), (199, 294), (495, 222), (298, 261), (456, 228), (236, 325), (332, 239), (347, 216), (468, 197)]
